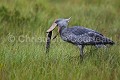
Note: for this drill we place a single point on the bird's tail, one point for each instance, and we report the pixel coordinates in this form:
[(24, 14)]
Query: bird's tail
[(110, 42)]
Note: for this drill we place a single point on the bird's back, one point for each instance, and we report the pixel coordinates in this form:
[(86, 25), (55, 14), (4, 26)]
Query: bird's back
[(83, 36), (79, 30)]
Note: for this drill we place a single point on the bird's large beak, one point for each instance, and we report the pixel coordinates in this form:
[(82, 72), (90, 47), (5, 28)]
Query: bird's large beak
[(52, 27)]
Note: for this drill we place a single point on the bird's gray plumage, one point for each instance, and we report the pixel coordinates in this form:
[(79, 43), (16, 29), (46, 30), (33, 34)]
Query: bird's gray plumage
[(81, 36)]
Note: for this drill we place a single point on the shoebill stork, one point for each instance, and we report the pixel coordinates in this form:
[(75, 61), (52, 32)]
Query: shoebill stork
[(79, 36)]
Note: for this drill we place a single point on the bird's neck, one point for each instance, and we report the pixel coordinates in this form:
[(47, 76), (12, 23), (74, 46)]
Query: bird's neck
[(61, 28)]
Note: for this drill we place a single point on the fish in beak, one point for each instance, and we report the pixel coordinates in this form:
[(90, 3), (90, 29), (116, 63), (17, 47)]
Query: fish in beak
[(52, 27)]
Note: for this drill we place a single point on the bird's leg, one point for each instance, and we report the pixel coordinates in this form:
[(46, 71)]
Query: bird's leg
[(81, 47)]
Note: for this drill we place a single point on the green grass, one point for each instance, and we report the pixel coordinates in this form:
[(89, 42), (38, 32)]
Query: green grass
[(27, 22)]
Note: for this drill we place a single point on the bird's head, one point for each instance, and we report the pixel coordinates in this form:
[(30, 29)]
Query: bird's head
[(60, 23)]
